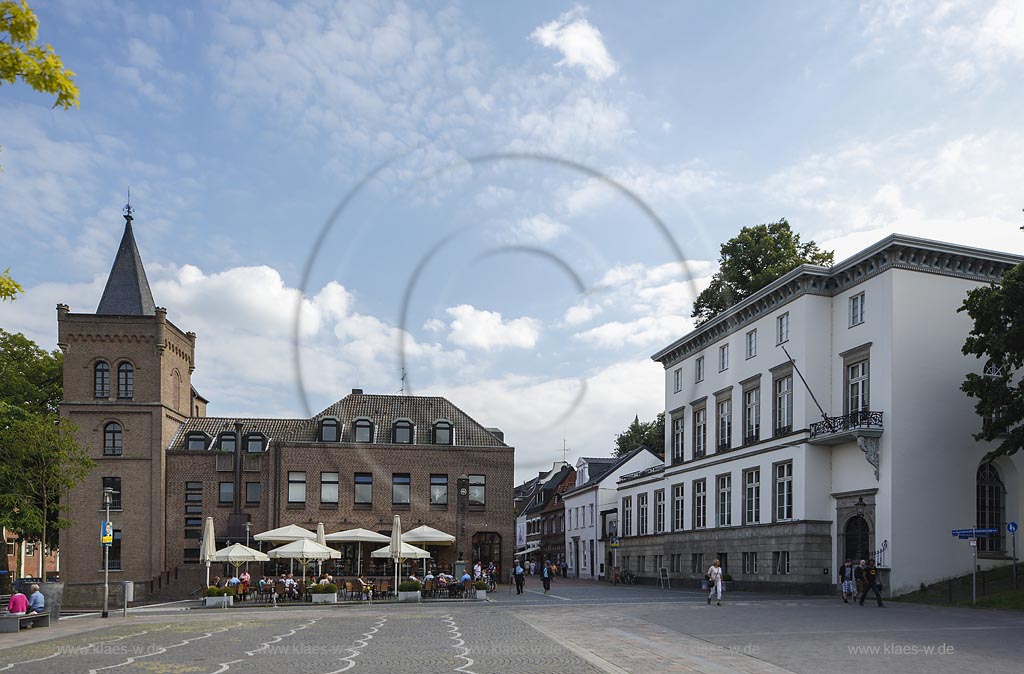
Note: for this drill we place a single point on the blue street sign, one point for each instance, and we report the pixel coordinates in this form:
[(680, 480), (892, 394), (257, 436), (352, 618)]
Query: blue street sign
[(963, 532), (973, 533), (986, 532), (1011, 527)]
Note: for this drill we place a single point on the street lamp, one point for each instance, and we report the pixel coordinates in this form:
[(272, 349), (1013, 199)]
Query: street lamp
[(108, 497), (861, 506), (248, 528)]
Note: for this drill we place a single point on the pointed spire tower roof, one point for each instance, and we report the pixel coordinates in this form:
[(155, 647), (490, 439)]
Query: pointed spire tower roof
[(127, 291)]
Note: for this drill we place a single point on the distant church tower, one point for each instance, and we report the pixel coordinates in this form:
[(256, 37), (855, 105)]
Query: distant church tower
[(127, 386)]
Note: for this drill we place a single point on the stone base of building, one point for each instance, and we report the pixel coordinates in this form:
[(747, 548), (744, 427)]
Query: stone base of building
[(808, 544)]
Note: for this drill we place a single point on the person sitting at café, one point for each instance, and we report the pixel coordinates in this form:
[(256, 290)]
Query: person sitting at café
[(429, 577), (412, 576)]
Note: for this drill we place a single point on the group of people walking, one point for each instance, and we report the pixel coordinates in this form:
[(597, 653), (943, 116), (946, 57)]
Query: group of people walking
[(858, 580), (548, 570)]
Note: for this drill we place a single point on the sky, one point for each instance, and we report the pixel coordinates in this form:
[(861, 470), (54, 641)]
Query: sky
[(514, 204)]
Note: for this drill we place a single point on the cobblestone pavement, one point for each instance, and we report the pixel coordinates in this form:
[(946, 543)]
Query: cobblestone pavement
[(579, 628)]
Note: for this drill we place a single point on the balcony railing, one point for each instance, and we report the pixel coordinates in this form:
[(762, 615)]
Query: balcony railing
[(853, 424)]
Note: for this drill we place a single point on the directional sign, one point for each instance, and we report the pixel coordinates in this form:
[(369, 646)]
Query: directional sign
[(986, 532), (1011, 527), (963, 532), (971, 533)]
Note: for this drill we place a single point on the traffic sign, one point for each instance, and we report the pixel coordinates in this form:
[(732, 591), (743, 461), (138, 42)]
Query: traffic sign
[(972, 533), (963, 532), (1011, 527)]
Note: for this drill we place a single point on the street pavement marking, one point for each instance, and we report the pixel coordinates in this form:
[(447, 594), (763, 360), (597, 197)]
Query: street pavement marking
[(356, 652), (164, 649), (460, 644), (93, 644), (553, 596)]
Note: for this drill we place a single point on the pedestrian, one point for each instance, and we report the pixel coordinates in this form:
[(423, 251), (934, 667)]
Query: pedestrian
[(846, 581), (714, 577), (858, 578), (520, 577), (546, 576), (871, 584), (565, 569), (533, 568)]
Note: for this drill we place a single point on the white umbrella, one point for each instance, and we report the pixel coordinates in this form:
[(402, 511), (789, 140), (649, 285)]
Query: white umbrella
[(304, 550), (396, 544), (285, 534), (405, 552), (208, 547), (359, 536), (320, 538), (428, 535), (238, 554)]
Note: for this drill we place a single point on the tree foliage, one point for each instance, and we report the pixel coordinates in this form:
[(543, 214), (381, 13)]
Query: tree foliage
[(22, 58), (751, 260), (39, 458), (648, 433), (9, 288), (998, 337)]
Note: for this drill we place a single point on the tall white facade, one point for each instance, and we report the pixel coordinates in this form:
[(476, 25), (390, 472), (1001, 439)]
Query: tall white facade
[(756, 474)]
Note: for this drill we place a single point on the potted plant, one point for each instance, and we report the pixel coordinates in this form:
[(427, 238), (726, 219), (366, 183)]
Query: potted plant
[(481, 589), (409, 590), (324, 594), (216, 597)]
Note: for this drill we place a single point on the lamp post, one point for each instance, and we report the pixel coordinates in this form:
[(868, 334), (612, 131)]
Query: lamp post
[(248, 528), (108, 497)]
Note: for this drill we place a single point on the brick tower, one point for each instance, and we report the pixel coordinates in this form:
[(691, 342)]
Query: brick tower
[(127, 386)]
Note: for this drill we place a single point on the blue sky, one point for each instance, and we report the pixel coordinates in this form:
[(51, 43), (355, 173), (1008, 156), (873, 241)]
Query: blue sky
[(240, 126)]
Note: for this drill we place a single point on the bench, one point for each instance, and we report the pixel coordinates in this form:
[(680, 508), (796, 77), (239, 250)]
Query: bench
[(13, 623)]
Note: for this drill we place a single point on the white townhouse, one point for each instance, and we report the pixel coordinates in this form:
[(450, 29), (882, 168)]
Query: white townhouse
[(591, 510), (755, 475)]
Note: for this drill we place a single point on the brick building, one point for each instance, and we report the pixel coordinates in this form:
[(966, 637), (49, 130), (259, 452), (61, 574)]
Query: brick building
[(127, 385)]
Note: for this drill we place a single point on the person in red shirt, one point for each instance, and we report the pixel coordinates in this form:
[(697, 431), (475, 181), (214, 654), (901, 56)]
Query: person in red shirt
[(18, 605)]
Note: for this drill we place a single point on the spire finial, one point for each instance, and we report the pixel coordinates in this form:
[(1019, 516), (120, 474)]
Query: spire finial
[(128, 210)]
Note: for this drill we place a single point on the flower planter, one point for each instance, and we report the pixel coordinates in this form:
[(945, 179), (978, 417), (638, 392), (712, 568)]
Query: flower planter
[(218, 602), (325, 598), (481, 594), (408, 596)]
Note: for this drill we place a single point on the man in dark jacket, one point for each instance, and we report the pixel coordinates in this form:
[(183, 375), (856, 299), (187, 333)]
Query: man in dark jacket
[(871, 584), (545, 575)]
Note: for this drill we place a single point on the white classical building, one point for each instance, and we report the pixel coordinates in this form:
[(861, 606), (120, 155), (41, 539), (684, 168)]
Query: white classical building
[(756, 475), (591, 510)]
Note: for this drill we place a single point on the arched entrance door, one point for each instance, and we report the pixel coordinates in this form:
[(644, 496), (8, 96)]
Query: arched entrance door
[(857, 539), (487, 548)]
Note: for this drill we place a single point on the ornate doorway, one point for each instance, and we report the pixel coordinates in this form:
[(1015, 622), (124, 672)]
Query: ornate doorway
[(487, 548), (856, 539)]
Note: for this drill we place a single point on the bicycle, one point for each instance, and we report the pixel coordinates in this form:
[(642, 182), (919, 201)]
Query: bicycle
[(628, 578)]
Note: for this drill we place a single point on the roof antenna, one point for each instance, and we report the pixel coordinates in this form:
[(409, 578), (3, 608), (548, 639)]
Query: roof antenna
[(401, 391), (564, 449), (128, 210)]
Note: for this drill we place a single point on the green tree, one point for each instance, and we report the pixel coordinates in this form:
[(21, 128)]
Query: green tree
[(31, 379), (9, 288), (753, 259), (39, 462), (22, 58), (998, 337), (648, 433)]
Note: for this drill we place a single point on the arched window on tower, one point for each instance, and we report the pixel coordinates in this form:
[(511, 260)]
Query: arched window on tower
[(991, 507), (125, 381), (994, 371), (112, 439), (101, 380), (176, 386)]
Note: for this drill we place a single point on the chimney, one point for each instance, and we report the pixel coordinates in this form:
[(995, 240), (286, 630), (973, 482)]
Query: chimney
[(496, 432), (357, 391)]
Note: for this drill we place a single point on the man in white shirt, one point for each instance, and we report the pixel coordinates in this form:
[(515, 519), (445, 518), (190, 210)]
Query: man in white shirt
[(715, 581)]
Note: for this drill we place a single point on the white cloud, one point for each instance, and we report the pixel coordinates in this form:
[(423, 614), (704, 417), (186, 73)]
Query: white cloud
[(481, 329), (581, 313), (579, 42), (536, 229)]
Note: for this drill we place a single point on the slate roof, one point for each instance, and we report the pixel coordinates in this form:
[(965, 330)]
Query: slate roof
[(550, 488), (127, 291), (383, 410), (273, 429)]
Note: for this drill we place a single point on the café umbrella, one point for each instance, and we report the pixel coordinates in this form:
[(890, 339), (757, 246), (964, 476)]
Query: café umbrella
[(238, 554), (425, 535), (304, 551), (405, 551), (285, 534), (358, 536), (208, 547)]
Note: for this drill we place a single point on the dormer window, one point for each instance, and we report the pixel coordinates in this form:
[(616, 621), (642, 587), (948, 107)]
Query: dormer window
[(226, 443), (330, 430), (443, 433), (101, 380), (402, 432), (255, 443), (362, 430), (197, 442)]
